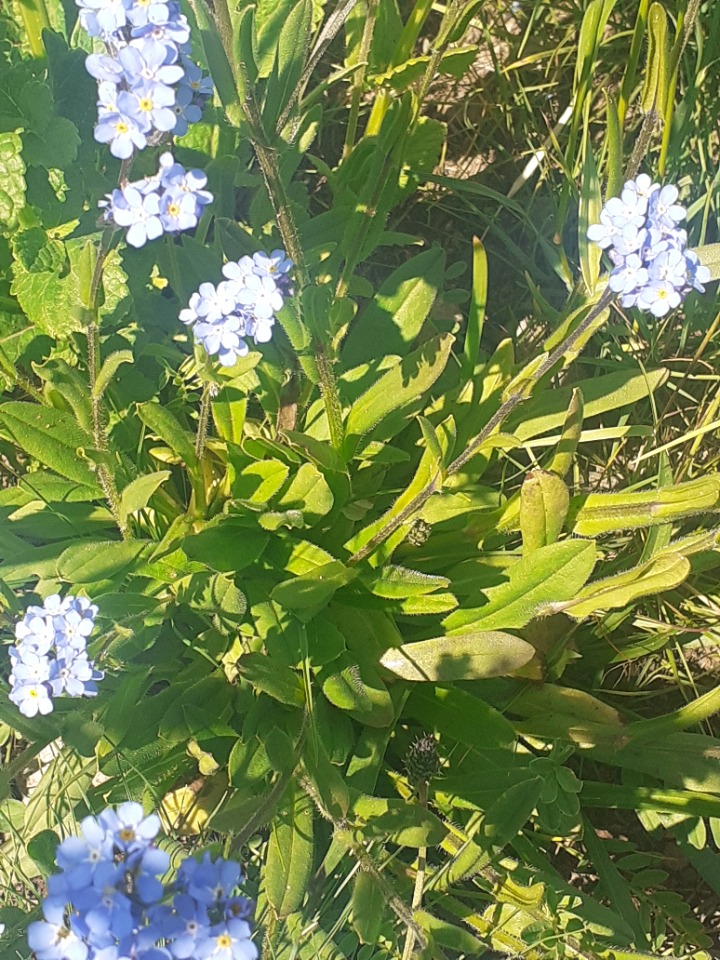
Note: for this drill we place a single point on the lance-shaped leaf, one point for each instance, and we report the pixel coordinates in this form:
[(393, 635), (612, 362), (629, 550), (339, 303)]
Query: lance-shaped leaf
[(544, 502), (290, 852), (550, 574), (399, 389), (664, 572), (470, 656), (99, 560), (600, 513), (50, 436)]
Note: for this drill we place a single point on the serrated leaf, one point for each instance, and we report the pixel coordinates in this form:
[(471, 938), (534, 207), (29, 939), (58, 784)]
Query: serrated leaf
[(471, 656), (52, 299), (12, 181)]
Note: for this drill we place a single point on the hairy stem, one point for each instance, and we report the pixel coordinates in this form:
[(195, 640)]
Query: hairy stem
[(203, 418), (419, 876), (500, 415), (105, 476), (359, 78)]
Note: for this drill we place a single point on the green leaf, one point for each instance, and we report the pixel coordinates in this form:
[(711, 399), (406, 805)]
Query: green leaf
[(406, 824), (314, 590), (547, 411), (398, 389), (99, 560), (259, 482), (52, 298), (599, 513), (309, 492), (549, 575), (357, 688), (137, 493), (661, 574), (51, 437), (505, 818), (460, 715), (476, 313), (289, 862), (329, 783), (399, 309), (165, 425), (227, 547), (27, 103), (41, 850), (12, 181), (454, 63), (272, 677), (290, 54), (471, 656), (368, 907), (544, 502), (109, 369), (396, 582)]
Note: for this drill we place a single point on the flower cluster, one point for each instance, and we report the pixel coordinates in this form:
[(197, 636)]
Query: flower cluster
[(50, 656), (652, 269), (108, 903), (171, 201), (242, 305), (147, 84)]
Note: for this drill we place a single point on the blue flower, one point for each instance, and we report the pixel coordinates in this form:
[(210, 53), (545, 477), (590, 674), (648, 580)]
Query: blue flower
[(228, 941), (131, 831), (31, 699), (149, 105), (52, 938), (241, 306), (108, 903), (146, 61), (122, 133), (139, 212), (50, 656), (652, 269)]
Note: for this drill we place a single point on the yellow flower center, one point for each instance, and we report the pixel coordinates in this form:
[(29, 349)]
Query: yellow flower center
[(173, 209), (33, 693), (121, 126), (662, 293), (145, 105), (127, 834), (224, 942)]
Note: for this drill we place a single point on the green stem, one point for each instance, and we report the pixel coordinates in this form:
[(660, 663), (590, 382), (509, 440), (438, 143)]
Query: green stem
[(268, 160), (35, 19), (359, 78), (500, 415), (419, 876), (105, 476), (688, 716), (204, 418)]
